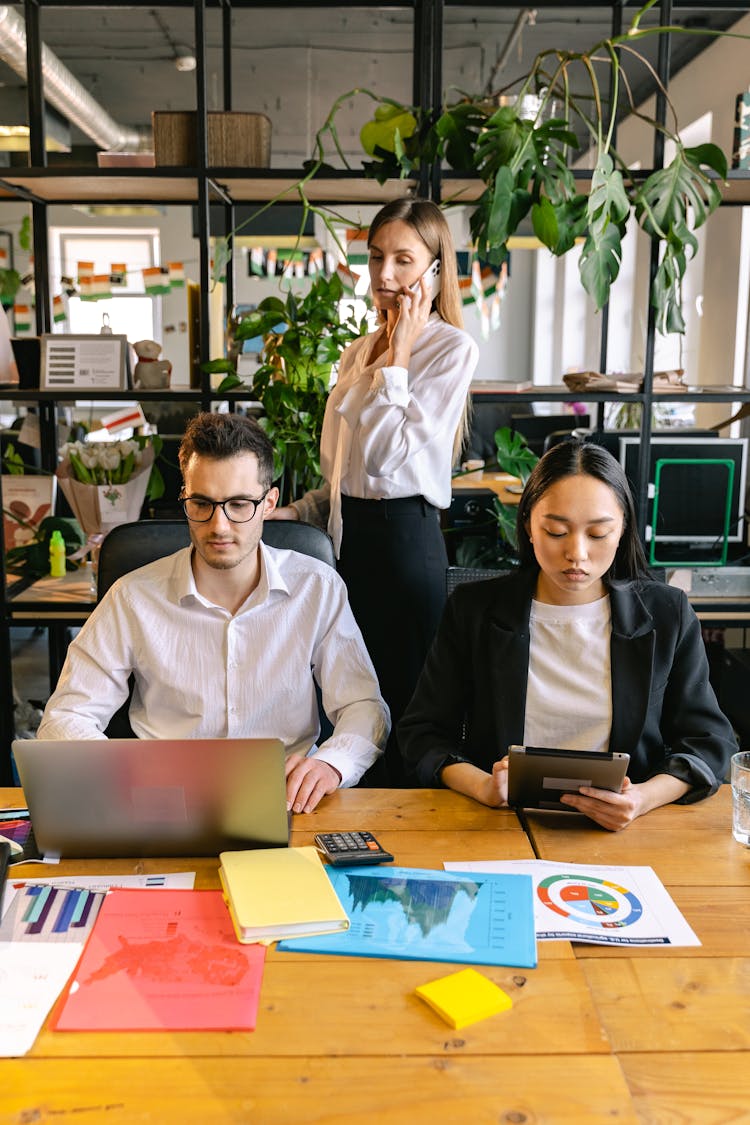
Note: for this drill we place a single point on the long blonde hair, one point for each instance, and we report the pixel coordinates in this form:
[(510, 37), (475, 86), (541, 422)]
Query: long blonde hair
[(429, 223)]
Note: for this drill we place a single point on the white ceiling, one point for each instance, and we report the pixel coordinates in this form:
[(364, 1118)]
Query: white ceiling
[(292, 62)]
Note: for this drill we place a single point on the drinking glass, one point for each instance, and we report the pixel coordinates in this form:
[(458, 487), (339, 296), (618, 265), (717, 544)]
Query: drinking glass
[(741, 797)]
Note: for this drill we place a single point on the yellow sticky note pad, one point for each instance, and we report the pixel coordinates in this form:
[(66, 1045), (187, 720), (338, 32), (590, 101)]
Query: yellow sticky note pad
[(464, 997)]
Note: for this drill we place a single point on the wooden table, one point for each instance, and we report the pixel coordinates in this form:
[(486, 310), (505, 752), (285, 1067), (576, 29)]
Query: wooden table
[(496, 481), (677, 1019), (345, 1040)]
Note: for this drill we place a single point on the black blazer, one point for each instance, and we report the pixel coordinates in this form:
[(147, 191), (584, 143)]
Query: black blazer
[(470, 701)]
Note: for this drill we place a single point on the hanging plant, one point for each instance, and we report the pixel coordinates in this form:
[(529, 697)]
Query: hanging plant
[(524, 163)]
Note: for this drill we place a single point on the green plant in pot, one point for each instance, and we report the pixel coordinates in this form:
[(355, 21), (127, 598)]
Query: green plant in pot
[(303, 337), (498, 549)]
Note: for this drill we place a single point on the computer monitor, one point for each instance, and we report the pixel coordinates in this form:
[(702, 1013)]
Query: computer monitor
[(692, 497)]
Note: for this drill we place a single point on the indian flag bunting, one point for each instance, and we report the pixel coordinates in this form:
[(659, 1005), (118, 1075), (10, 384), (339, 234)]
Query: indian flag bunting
[(176, 272), (59, 314), (155, 281), (22, 318), (497, 297), (464, 287), (257, 261), (85, 271), (271, 263), (347, 277), (483, 280), (96, 287), (315, 262), (118, 273), (356, 247)]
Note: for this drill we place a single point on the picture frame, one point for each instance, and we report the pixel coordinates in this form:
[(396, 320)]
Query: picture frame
[(84, 362)]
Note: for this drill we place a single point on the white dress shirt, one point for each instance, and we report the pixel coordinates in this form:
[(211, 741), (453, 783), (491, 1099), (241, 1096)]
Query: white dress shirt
[(569, 689), (202, 672), (388, 432)]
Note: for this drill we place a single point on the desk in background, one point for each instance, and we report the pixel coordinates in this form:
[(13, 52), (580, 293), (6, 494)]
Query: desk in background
[(593, 1035)]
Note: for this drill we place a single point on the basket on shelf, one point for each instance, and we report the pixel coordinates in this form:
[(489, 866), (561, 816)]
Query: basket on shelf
[(235, 139)]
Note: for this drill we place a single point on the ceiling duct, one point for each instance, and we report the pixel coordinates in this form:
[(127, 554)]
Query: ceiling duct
[(65, 92)]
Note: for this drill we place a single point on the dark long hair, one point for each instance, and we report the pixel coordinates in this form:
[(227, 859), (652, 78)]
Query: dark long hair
[(583, 458)]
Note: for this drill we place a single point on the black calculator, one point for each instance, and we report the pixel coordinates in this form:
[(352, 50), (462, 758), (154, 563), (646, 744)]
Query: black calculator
[(345, 848)]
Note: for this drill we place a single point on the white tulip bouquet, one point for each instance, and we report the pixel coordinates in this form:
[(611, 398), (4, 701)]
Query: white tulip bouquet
[(106, 482)]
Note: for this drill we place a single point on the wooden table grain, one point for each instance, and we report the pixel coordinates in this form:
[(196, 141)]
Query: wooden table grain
[(594, 1034)]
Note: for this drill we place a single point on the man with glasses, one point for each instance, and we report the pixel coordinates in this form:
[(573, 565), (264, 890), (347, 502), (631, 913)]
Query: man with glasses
[(229, 637)]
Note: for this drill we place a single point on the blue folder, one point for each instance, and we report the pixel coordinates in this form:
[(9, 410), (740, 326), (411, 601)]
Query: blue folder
[(411, 914)]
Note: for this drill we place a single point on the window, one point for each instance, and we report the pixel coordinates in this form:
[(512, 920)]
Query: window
[(130, 313)]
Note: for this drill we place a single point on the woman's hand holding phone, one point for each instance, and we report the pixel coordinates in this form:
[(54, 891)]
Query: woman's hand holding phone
[(414, 307)]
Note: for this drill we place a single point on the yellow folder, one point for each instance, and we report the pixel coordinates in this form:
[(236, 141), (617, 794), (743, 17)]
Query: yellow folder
[(279, 892)]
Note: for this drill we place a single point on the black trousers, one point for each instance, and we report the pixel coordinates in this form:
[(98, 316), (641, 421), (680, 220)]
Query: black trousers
[(393, 561)]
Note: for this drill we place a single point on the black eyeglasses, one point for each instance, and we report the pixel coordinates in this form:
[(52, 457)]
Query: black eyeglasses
[(238, 509)]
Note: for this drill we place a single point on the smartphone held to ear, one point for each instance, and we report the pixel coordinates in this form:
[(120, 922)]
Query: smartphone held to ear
[(431, 277)]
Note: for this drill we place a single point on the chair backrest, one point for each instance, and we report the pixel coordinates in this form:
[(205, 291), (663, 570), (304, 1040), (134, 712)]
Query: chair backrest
[(536, 427), (130, 545)]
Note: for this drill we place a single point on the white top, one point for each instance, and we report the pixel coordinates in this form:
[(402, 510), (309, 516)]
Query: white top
[(201, 672), (569, 690), (388, 432)]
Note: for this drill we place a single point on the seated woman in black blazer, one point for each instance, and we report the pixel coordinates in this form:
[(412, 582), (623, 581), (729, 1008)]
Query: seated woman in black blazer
[(579, 650)]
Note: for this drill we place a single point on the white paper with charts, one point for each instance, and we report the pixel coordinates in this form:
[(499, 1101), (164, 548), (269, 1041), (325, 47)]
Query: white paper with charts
[(600, 905)]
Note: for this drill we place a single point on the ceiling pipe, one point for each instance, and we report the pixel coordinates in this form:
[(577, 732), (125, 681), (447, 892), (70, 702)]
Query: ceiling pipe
[(65, 92)]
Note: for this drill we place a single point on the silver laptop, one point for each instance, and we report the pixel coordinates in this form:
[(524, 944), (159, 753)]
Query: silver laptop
[(154, 797)]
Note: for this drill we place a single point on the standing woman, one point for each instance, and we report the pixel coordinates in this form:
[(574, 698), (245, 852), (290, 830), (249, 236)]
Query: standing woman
[(394, 424), (578, 649)]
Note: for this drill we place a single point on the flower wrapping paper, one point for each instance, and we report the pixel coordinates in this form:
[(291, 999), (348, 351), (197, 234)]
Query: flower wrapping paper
[(98, 507)]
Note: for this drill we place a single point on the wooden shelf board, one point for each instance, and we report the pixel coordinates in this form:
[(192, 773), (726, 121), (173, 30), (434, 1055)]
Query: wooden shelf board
[(180, 185)]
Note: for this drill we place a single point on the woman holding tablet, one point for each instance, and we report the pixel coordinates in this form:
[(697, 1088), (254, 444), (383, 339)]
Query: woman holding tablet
[(393, 427), (579, 649)]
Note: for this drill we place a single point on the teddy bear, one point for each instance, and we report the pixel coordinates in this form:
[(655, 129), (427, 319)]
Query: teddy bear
[(151, 373)]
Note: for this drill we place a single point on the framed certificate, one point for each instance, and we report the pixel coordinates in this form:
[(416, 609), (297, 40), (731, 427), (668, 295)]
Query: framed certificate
[(84, 362)]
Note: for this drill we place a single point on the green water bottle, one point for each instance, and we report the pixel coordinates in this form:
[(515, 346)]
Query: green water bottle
[(56, 555)]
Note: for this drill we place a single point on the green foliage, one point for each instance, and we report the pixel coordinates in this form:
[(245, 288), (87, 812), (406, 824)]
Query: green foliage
[(10, 283), (513, 453), (663, 204), (12, 461), (499, 548), (524, 165), (305, 332), (303, 336), (10, 279)]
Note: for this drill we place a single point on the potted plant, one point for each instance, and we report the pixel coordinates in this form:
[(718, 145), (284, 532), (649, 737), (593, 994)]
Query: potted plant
[(303, 337), (496, 548)]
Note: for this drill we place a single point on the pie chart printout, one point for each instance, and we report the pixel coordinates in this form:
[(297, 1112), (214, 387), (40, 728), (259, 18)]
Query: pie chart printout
[(590, 901)]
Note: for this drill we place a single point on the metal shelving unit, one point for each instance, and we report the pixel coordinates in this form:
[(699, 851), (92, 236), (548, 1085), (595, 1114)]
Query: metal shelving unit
[(42, 186)]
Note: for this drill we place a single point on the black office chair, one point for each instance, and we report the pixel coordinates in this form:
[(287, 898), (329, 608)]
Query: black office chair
[(536, 427), (131, 545)]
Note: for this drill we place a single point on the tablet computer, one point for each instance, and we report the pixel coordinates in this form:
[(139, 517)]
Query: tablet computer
[(539, 776)]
